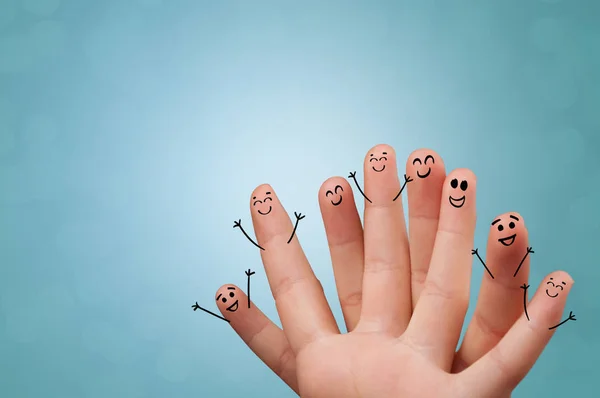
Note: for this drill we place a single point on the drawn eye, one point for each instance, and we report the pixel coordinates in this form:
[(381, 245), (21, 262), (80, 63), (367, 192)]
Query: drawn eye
[(500, 228), (383, 158), (454, 183), (328, 193), (511, 225), (464, 185), (256, 201), (372, 159), (417, 160), (231, 294), (561, 288), (340, 187), (429, 157), (267, 198), (224, 300)]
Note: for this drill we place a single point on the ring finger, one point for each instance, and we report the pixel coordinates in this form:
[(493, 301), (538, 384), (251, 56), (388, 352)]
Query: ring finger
[(500, 301)]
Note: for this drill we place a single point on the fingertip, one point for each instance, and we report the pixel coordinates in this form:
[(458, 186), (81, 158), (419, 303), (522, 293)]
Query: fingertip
[(328, 187), (380, 149), (424, 156), (260, 191), (561, 276), (227, 296)]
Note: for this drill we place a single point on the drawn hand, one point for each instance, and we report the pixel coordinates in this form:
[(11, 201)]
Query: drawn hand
[(525, 286), (474, 251), (352, 174), (299, 216), (196, 306), (407, 179), (571, 316), (250, 272), (237, 223), (530, 250)]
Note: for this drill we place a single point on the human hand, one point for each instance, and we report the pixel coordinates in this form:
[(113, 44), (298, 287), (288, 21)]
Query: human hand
[(387, 353)]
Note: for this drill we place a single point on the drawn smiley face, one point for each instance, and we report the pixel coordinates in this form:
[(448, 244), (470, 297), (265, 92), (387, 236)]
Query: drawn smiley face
[(510, 239), (460, 201), (378, 164), (231, 293), (262, 210), (552, 291), (335, 202), (422, 165)]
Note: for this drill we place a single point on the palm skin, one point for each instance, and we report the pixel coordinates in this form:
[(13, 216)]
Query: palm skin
[(369, 365), (403, 300)]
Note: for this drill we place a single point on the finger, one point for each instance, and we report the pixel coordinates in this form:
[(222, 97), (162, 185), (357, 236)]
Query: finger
[(427, 169), (512, 358), (345, 238), (386, 303), (261, 335), (500, 301), (301, 304), (439, 314)]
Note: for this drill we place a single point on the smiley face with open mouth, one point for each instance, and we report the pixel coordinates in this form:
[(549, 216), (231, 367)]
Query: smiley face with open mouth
[(509, 239), (234, 306), (458, 202)]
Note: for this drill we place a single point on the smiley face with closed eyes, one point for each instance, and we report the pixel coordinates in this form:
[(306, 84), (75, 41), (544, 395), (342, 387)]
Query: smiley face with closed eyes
[(262, 207), (378, 163), (554, 288), (335, 195), (423, 167)]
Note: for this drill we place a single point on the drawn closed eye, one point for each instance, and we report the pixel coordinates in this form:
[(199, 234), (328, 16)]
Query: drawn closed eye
[(372, 159), (328, 193), (550, 283), (429, 157), (256, 201), (267, 198), (338, 186), (383, 157), (561, 288), (417, 160)]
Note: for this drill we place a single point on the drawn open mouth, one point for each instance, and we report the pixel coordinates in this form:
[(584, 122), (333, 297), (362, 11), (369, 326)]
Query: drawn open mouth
[(383, 168), (338, 202), (549, 295), (509, 240), (424, 175), (233, 307), (457, 202), (264, 214)]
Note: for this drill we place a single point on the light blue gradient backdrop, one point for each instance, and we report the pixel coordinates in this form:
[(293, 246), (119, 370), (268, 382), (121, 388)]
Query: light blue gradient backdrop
[(132, 133)]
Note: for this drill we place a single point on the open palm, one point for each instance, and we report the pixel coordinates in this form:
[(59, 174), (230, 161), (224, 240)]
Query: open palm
[(404, 301)]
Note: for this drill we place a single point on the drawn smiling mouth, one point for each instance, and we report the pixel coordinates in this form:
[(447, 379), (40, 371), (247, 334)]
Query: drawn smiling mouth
[(264, 214), (549, 295), (338, 202), (424, 175), (509, 240), (379, 171), (233, 307), (457, 202)]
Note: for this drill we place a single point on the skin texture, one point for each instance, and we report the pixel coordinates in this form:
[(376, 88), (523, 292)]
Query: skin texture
[(391, 349)]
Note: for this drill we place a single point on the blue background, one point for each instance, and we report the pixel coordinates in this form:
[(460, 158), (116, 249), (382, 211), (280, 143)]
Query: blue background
[(132, 133)]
